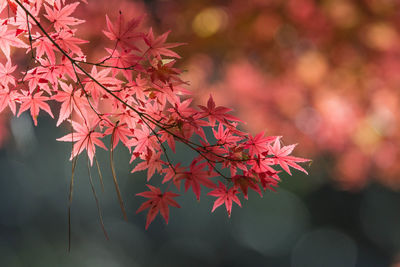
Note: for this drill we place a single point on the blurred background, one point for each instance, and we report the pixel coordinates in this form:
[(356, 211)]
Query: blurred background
[(323, 74)]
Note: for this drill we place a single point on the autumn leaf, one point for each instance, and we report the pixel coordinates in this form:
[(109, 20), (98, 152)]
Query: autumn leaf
[(5, 73), (59, 16), (258, 144), (213, 113), (158, 202), (158, 47), (70, 100), (34, 102), (85, 137), (9, 38), (225, 196), (124, 33), (7, 98), (281, 157), (196, 177)]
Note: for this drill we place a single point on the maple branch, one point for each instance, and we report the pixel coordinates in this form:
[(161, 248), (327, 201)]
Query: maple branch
[(141, 114), (142, 91), (101, 64)]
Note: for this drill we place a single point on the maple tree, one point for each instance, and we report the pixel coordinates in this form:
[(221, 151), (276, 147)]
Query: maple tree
[(135, 96)]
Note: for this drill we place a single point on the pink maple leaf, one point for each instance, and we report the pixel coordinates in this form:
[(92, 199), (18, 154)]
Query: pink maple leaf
[(198, 176), (269, 179), (5, 73), (48, 72), (66, 67), (143, 140), (214, 113), (44, 47), (59, 16), (121, 61), (85, 137), (176, 174), (124, 33), (7, 98), (70, 99), (225, 136), (9, 38), (21, 20), (225, 196), (34, 102), (258, 144), (93, 88), (120, 132), (152, 163), (244, 182), (66, 40), (281, 157), (158, 47), (158, 202)]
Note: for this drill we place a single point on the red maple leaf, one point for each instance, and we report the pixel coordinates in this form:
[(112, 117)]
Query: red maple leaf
[(269, 179), (48, 72), (216, 113), (244, 182), (21, 20), (124, 33), (71, 101), (198, 176), (5, 73), (158, 202), (34, 102), (158, 47), (44, 47), (85, 137), (152, 163), (7, 98), (258, 144), (225, 136), (93, 88), (66, 40), (176, 174), (143, 140), (225, 196), (9, 38), (120, 132), (121, 62), (59, 16), (281, 156)]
